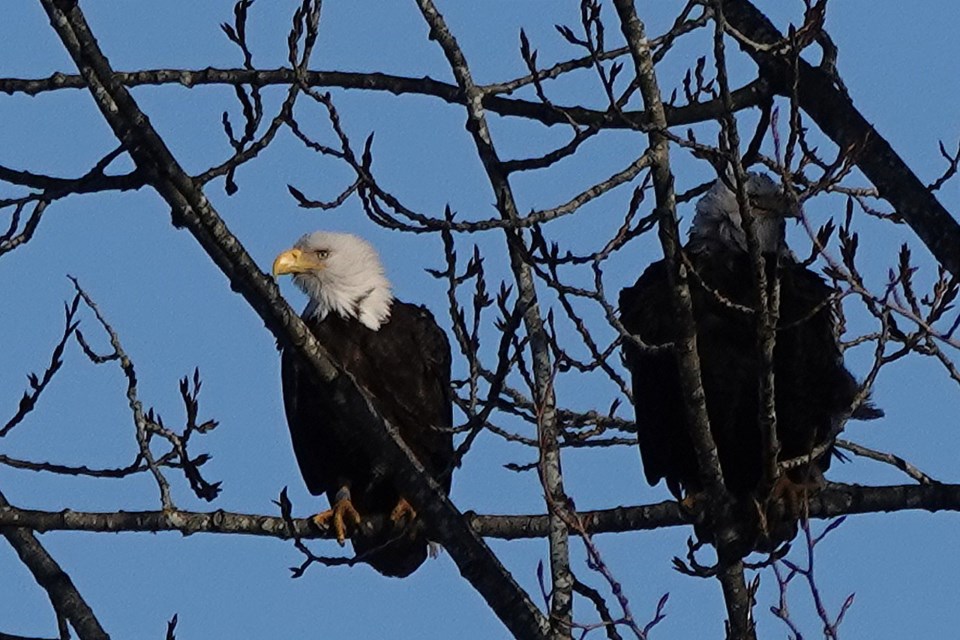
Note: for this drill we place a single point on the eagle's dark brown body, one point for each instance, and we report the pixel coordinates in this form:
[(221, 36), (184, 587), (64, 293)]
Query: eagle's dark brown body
[(813, 388), (405, 368)]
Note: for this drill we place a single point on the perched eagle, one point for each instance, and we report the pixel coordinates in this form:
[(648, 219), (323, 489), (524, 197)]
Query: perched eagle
[(395, 352), (814, 392)]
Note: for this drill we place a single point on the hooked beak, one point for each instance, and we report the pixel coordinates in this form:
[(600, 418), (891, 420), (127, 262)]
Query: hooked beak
[(295, 261)]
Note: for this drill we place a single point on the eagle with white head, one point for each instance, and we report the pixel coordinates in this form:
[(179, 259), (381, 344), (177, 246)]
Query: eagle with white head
[(814, 392), (394, 351)]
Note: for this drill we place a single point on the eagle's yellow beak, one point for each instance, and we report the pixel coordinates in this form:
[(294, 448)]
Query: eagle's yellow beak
[(295, 261)]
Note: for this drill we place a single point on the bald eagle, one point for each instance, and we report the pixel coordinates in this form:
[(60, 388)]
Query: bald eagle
[(394, 351), (814, 392)]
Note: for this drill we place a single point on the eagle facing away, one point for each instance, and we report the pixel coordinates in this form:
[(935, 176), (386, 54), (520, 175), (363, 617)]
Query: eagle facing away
[(394, 351), (814, 392)]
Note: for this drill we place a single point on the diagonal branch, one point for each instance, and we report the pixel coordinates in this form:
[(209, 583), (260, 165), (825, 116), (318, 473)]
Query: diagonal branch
[(561, 603), (66, 600), (834, 112), (735, 591), (767, 291), (39, 383)]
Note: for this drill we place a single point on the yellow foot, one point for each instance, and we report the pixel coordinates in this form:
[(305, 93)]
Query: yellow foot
[(692, 501), (343, 516), (793, 496), (401, 511), (780, 511)]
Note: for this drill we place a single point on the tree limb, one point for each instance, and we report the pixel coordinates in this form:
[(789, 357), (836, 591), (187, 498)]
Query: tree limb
[(66, 600), (750, 95), (735, 591), (561, 601), (833, 111), (835, 500)]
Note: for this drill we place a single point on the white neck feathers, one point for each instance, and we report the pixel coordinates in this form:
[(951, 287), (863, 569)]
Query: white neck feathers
[(351, 282), (718, 224)]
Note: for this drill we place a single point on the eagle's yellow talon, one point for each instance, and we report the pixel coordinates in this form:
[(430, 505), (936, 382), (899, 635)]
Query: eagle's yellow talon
[(691, 501), (401, 511), (343, 515)]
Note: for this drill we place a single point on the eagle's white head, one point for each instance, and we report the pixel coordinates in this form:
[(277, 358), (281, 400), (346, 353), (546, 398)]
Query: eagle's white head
[(718, 223), (341, 273)]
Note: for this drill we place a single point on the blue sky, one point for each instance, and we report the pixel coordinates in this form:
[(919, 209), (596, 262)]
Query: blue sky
[(174, 311)]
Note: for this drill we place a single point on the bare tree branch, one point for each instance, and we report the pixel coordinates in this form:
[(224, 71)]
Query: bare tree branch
[(38, 384), (736, 594), (747, 96), (561, 604), (834, 501), (833, 111), (66, 600)]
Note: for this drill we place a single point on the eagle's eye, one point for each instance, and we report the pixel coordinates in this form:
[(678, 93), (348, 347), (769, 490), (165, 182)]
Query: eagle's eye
[(322, 254)]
